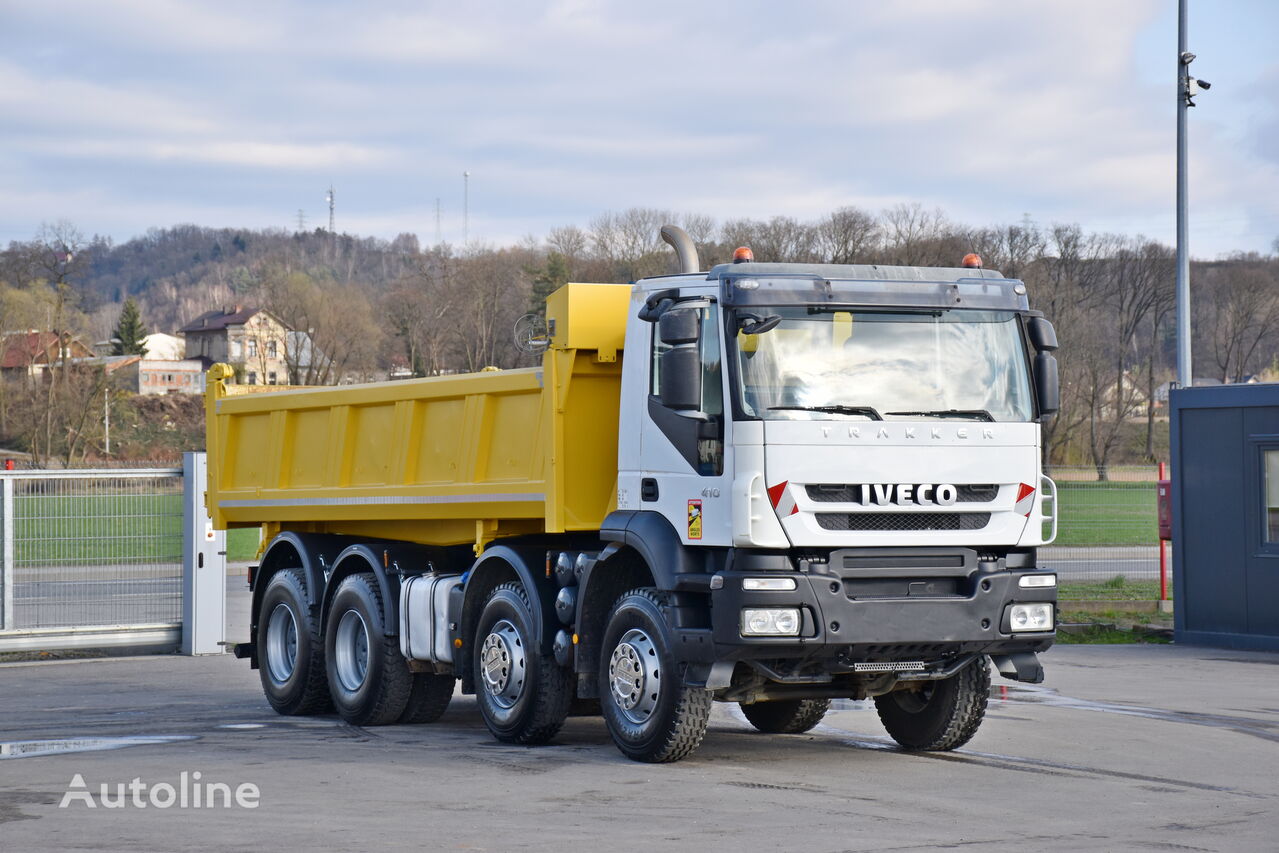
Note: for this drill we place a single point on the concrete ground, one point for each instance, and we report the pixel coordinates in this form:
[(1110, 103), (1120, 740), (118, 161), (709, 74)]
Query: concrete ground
[(1124, 748)]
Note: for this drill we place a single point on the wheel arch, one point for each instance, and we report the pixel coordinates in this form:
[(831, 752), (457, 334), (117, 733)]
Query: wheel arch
[(501, 564), (389, 562)]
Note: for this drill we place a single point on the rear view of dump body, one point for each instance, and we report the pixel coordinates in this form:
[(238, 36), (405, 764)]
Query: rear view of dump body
[(446, 460)]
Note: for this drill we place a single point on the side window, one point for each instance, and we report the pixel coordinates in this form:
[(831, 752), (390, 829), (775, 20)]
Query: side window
[(709, 351), (710, 438)]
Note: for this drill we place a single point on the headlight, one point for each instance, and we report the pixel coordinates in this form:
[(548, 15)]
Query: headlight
[(773, 622), (769, 584), (1031, 617), (1036, 581)]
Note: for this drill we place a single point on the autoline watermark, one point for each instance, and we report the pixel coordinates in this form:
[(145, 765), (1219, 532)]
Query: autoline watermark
[(189, 792)]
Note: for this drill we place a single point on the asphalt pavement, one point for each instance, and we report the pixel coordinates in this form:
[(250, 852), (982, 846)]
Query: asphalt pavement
[(1123, 748)]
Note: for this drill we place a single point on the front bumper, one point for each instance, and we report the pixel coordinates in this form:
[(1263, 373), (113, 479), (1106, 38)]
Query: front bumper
[(913, 618)]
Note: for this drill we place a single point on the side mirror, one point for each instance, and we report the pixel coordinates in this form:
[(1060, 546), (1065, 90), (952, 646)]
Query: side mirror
[(679, 326), (1042, 334), (1047, 389), (681, 367)]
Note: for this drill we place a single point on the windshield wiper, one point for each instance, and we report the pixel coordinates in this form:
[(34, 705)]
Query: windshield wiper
[(976, 414), (864, 411)]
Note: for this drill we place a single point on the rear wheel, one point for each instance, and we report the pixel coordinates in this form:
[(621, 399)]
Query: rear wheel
[(938, 715), (368, 679), (786, 716), (523, 695), (649, 711), (290, 648)]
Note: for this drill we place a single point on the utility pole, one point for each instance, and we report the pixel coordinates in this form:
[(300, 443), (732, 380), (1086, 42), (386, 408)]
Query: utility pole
[(439, 234), (466, 208), (301, 220), (333, 234), (1187, 88)]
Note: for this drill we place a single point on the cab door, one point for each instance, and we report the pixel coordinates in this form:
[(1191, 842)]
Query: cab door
[(684, 449)]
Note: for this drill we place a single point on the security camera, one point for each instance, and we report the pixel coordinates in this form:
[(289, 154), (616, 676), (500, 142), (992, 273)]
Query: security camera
[(1187, 57), (1204, 84)]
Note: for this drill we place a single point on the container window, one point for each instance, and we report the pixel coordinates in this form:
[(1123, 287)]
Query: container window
[(1270, 464)]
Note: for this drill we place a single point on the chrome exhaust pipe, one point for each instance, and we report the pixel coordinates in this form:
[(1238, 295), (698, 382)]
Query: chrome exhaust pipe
[(683, 246)]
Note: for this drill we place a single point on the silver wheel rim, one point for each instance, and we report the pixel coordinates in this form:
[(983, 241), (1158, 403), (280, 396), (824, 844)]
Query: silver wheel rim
[(502, 667), (281, 643), (634, 676), (351, 651)]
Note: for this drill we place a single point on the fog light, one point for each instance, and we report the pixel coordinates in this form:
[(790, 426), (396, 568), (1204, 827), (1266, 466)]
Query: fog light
[(1031, 617), (773, 622), (769, 584), (1036, 581)]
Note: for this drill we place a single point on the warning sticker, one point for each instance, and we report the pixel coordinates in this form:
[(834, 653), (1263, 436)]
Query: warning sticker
[(694, 519)]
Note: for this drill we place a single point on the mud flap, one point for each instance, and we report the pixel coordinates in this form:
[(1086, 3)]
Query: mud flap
[(1019, 666)]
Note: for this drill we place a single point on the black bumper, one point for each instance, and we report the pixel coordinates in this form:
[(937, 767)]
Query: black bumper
[(840, 623)]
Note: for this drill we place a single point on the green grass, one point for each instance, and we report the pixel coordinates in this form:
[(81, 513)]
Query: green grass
[(108, 528), (1106, 634), (1117, 588), (1110, 513)]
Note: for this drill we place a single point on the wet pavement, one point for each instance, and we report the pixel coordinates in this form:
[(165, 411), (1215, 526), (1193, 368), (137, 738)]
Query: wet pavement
[(1123, 748)]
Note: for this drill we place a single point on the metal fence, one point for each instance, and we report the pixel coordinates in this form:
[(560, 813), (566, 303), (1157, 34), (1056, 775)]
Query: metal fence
[(90, 555), (1107, 543)]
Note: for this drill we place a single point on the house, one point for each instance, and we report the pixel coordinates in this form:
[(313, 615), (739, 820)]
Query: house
[(31, 352), (252, 340), (163, 376), (157, 345)]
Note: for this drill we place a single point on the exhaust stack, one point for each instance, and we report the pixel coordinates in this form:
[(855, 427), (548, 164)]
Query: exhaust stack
[(683, 246)]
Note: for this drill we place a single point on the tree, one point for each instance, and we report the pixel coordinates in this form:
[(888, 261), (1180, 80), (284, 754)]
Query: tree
[(129, 333), (547, 280)]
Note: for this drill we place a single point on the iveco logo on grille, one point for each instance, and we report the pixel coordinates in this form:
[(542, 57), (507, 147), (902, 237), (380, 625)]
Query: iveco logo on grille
[(907, 494)]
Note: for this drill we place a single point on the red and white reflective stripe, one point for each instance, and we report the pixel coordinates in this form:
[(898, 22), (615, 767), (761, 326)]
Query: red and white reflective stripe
[(783, 502), (1025, 500)]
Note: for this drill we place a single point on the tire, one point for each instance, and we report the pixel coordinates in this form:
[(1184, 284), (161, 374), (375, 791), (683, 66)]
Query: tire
[(650, 713), (291, 648), (523, 695), (368, 679), (429, 698), (941, 715), (786, 716)]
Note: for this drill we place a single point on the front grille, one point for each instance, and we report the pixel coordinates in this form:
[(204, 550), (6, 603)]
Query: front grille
[(890, 521), (973, 493)]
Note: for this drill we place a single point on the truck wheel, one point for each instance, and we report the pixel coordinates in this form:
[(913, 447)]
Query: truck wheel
[(368, 678), (291, 650), (649, 711), (429, 698), (523, 695), (940, 715), (786, 716)]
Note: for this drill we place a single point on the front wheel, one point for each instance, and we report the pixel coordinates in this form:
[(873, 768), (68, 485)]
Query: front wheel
[(650, 713), (938, 715)]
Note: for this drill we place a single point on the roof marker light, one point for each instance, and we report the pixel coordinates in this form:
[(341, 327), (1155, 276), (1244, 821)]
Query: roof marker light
[(972, 260), (743, 255)]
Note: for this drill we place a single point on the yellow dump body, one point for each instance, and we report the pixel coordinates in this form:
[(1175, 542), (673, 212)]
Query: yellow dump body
[(445, 460)]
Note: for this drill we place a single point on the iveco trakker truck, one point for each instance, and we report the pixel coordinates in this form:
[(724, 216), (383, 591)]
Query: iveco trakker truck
[(769, 484)]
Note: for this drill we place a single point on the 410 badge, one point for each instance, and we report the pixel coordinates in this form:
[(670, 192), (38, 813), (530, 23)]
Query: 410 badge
[(694, 519)]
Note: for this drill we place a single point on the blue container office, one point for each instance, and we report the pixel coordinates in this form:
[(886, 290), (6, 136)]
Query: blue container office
[(1225, 515)]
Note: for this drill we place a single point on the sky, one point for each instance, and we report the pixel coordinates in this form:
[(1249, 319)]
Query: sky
[(133, 114)]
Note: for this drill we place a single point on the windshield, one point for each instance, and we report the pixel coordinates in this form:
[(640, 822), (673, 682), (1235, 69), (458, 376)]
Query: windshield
[(846, 363)]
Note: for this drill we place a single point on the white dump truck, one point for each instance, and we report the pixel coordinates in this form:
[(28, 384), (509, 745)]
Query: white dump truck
[(770, 484)]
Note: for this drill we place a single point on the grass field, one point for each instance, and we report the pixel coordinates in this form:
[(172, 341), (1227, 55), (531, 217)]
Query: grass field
[(1110, 513), (108, 529), (1117, 588)]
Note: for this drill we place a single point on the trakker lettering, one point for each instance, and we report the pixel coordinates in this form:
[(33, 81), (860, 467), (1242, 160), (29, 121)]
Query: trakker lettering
[(907, 494)]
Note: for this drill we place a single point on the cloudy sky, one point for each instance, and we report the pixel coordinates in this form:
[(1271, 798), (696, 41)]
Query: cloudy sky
[(131, 114)]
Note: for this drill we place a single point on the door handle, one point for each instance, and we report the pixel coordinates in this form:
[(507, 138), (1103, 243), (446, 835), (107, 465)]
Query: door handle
[(648, 489)]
